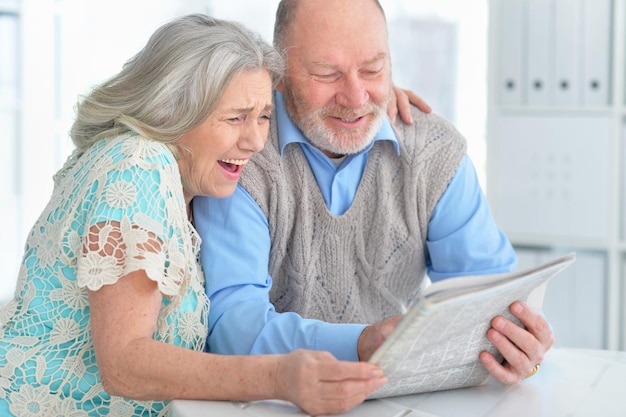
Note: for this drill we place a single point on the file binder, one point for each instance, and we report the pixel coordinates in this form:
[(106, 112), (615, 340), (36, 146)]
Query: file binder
[(511, 54), (567, 53), (596, 52), (538, 84)]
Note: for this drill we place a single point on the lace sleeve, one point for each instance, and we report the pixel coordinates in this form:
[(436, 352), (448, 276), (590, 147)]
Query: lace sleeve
[(135, 217)]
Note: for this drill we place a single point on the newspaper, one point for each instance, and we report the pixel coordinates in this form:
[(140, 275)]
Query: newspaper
[(436, 345)]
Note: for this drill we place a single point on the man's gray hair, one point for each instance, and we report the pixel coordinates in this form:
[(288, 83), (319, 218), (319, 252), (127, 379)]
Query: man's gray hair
[(285, 15)]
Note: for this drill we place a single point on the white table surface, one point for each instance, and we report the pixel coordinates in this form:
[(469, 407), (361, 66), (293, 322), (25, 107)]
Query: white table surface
[(570, 383)]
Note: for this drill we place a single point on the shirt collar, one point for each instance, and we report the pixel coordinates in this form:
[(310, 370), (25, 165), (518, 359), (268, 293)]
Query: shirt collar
[(289, 132)]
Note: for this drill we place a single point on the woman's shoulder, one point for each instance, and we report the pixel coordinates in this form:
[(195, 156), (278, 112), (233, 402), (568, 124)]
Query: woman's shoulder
[(129, 162), (135, 146)]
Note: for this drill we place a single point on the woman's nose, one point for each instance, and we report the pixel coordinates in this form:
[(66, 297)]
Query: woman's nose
[(255, 135)]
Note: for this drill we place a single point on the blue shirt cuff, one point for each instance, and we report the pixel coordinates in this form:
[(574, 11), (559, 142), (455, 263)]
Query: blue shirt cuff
[(340, 339)]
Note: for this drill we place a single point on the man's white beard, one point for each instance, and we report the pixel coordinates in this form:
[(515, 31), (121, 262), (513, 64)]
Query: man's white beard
[(337, 141)]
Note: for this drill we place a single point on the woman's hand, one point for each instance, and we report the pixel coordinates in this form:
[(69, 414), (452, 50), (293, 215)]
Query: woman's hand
[(401, 101), (320, 384)]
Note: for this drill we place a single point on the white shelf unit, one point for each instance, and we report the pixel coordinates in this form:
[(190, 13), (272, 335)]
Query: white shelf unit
[(556, 154)]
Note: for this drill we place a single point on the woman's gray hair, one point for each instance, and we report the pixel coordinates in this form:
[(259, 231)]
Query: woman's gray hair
[(174, 82)]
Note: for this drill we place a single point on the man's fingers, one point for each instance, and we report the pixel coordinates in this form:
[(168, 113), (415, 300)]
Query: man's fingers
[(522, 347), (392, 109), (535, 323), (500, 372)]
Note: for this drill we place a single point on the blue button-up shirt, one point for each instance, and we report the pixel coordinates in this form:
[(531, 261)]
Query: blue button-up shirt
[(236, 246)]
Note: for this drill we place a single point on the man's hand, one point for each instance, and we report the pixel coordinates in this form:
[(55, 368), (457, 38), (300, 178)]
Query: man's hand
[(522, 348), (374, 335), (401, 101)]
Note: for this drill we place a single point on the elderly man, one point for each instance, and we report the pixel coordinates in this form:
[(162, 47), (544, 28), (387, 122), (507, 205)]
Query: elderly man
[(339, 220)]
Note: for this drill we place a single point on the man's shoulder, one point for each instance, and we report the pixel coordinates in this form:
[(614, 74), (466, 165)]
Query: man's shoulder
[(422, 120), (427, 129), (265, 166)]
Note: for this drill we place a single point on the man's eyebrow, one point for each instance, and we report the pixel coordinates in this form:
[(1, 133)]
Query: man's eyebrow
[(375, 59), (323, 64)]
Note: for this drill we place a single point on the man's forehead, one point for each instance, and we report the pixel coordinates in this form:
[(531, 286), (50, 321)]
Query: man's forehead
[(327, 18)]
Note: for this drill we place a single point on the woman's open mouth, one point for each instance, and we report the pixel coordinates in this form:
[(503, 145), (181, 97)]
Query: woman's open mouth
[(233, 165)]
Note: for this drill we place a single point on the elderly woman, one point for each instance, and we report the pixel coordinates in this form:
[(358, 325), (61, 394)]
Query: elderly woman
[(110, 315)]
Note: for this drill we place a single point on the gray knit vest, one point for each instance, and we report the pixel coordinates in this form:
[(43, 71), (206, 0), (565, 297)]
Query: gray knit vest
[(364, 265)]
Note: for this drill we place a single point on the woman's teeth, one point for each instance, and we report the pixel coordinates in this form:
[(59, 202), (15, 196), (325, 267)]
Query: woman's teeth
[(235, 161), (233, 165)]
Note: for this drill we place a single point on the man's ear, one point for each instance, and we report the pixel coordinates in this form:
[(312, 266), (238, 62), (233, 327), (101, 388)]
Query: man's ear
[(280, 86)]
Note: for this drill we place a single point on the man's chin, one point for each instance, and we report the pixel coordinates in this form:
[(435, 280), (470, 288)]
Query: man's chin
[(348, 146), (350, 141)]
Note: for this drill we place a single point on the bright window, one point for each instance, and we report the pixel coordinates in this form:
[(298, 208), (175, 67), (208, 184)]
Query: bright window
[(53, 50)]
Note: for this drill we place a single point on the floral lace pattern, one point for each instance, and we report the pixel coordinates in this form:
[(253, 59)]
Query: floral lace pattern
[(115, 209)]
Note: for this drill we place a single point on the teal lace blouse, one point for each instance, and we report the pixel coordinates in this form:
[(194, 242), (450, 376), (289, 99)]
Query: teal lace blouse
[(125, 186)]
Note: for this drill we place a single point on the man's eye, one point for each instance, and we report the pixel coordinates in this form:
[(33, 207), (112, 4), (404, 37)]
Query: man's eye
[(371, 73), (327, 77)]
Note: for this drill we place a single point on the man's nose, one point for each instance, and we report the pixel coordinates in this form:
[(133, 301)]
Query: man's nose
[(352, 94)]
